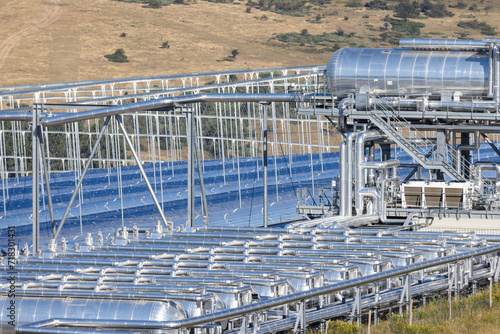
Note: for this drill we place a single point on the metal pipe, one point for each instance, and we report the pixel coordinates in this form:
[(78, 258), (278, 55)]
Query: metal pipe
[(80, 181), (343, 180), (141, 169), (30, 89), (35, 163), (383, 207), (113, 295), (237, 230), (480, 166), (274, 302), (491, 71), (496, 62), (170, 102), (473, 105), (424, 104), (445, 44), (350, 167), (190, 133), (361, 139), (6, 115), (356, 221), (379, 164), (374, 194)]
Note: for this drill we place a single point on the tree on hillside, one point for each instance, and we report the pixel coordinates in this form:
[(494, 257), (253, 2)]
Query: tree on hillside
[(406, 10), (154, 3), (118, 57)]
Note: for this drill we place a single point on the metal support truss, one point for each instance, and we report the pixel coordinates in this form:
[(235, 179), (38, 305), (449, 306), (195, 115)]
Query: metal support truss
[(80, 181), (141, 169)]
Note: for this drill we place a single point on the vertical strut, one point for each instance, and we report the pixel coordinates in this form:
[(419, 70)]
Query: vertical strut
[(35, 164), (264, 157), (191, 157)]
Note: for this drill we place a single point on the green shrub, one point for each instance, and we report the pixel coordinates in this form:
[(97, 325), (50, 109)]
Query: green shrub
[(151, 3), (306, 39), (154, 3), (377, 4), (117, 57), (407, 10), (392, 37), (354, 3), (474, 7), (459, 5), (434, 10), (287, 7), (483, 27), (408, 28), (340, 327)]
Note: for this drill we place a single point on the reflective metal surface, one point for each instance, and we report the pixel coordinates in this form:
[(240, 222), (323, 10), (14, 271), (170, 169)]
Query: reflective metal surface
[(398, 72), (31, 309), (446, 44)]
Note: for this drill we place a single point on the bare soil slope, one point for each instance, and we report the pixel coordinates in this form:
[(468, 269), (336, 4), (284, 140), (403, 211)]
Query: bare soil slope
[(66, 40)]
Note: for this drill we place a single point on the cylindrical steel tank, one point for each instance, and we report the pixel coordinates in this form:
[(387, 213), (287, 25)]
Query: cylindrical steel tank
[(393, 72), (28, 310)]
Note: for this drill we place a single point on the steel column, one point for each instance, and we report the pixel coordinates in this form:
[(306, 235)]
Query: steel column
[(264, 158), (190, 131), (35, 165)]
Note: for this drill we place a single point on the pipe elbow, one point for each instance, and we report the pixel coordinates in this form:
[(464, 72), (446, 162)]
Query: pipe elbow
[(345, 102), (379, 164), (369, 192)]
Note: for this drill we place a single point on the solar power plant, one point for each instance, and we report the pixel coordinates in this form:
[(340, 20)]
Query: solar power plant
[(252, 201)]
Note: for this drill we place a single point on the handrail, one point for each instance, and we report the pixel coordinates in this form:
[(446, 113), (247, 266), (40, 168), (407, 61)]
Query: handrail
[(450, 151), (263, 305)]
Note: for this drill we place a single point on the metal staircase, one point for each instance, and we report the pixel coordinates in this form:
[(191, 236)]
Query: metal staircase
[(393, 134)]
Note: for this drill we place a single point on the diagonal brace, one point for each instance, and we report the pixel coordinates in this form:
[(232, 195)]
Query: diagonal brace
[(80, 181), (143, 173)]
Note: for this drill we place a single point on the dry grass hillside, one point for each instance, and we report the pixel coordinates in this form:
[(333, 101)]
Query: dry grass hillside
[(66, 40)]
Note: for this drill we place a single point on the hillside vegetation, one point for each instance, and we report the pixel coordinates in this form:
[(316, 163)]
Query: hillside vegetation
[(471, 314), (63, 40)]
